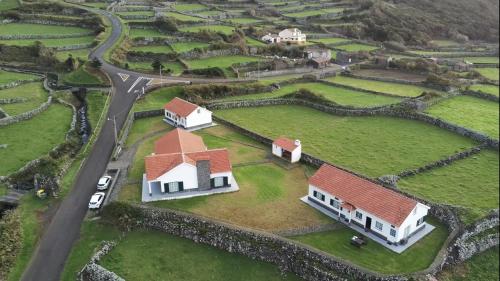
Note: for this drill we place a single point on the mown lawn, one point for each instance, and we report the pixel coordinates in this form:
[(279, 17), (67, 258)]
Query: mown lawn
[(34, 94), (173, 258), (220, 61), (59, 42), (474, 113), (336, 94), (356, 47), (268, 197), (483, 267), (253, 42), (489, 73), (181, 47), (383, 87), (143, 126), (8, 77), (471, 183), (38, 29), (480, 60), (484, 88), (27, 141), (158, 98), (214, 28), (375, 256), (373, 146)]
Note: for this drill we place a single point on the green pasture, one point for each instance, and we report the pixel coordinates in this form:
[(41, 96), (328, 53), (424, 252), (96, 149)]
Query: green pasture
[(8, 77), (489, 73), (38, 29), (53, 43), (34, 94), (485, 88), (214, 28)]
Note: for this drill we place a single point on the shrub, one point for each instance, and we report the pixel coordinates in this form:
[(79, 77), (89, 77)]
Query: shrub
[(215, 91), (208, 72), (10, 241)]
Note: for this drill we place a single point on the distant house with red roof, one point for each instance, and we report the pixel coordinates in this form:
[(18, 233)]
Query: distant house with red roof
[(288, 149), (182, 166), (383, 212), (187, 115)]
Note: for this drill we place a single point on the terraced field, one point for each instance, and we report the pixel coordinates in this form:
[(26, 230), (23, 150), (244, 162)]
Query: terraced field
[(244, 20), (81, 53), (490, 73), (373, 146), (153, 49), (182, 17), (480, 60), (487, 89), (59, 42), (356, 47), (34, 94), (311, 13), (39, 29), (181, 47), (215, 28), (326, 41), (8, 77), (9, 4), (470, 112), (221, 61), (175, 67), (138, 32), (182, 7)]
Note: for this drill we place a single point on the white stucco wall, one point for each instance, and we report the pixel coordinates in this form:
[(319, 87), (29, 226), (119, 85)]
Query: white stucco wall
[(277, 150), (184, 172), (296, 154), (229, 176), (386, 227), (200, 116)]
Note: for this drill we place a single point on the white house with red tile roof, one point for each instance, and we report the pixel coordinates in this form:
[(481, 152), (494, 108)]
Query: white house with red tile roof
[(292, 35), (385, 213), (288, 149), (184, 114), (182, 167)]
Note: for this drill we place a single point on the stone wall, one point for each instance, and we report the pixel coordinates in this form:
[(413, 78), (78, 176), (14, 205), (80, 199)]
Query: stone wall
[(481, 95), (44, 36), (26, 115), (92, 271), (291, 256), (12, 100), (210, 53)]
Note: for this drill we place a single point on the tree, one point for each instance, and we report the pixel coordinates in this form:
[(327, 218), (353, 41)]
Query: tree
[(96, 63), (157, 65), (70, 63)]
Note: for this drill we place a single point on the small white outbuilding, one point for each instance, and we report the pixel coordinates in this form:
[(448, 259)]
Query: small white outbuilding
[(288, 149)]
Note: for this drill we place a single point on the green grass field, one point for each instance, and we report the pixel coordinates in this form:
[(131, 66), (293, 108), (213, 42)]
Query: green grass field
[(209, 13), (214, 28), (137, 32), (181, 17), (8, 77), (182, 7), (175, 67), (327, 41), (484, 88), (9, 4), (221, 61), (244, 20), (33, 92), (81, 76), (38, 29), (181, 47), (23, 139), (375, 256), (96, 102), (490, 73), (445, 43), (480, 60), (477, 114), (310, 13), (253, 42), (471, 183), (60, 42), (336, 94), (81, 53), (137, 13), (99, 5), (153, 49), (383, 87), (356, 47), (483, 267), (157, 98), (373, 146)]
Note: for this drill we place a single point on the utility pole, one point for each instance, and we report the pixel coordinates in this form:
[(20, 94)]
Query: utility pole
[(114, 129), (161, 79)]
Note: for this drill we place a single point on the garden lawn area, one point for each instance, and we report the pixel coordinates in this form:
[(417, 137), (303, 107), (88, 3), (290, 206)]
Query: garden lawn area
[(482, 267), (382, 87), (59, 42), (81, 53), (81, 76), (244, 20), (310, 13), (8, 77), (34, 94), (356, 47), (9, 4), (253, 42), (214, 28), (181, 47), (336, 94), (376, 257), (486, 89), (474, 113), (328, 41), (220, 61), (264, 186), (188, 7), (158, 98), (153, 49), (24, 147), (172, 258), (174, 66), (39, 29), (147, 33), (373, 146), (471, 183), (480, 60), (489, 73), (181, 17)]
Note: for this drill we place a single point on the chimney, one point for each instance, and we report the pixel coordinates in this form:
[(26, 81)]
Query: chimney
[(297, 143), (203, 173)]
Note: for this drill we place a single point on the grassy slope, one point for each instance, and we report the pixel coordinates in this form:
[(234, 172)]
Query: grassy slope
[(60, 42), (181, 47), (33, 92), (7, 77), (81, 77), (374, 146), (376, 257), (490, 73), (215, 28), (487, 89), (356, 47), (471, 183), (336, 94), (23, 138), (9, 4), (384, 87), (221, 61), (483, 267), (473, 113), (81, 53), (158, 98), (38, 29)]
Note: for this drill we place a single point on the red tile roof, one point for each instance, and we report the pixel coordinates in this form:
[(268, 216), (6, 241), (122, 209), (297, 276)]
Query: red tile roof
[(219, 159), (363, 194), (285, 143), (157, 165), (178, 141), (180, 107)]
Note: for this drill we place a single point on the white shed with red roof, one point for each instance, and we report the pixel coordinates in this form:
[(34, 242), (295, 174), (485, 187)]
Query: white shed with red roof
[(288, 149), (184, 114)]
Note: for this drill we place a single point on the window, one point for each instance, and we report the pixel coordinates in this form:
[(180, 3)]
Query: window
[(379, 225), (334, 204), (219, 181), (359, 215), (173, 186), (393, 233), (420, 221), (319, 195)]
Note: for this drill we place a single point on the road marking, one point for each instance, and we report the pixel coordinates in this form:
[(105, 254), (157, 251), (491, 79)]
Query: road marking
[(150, 80), (124, 77), (135, 84)]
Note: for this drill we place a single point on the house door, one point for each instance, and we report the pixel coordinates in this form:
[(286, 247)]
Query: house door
[(286, 155), (368, 223)]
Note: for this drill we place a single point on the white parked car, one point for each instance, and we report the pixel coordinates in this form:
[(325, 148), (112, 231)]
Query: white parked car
[(103, 183), (96, 200)]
